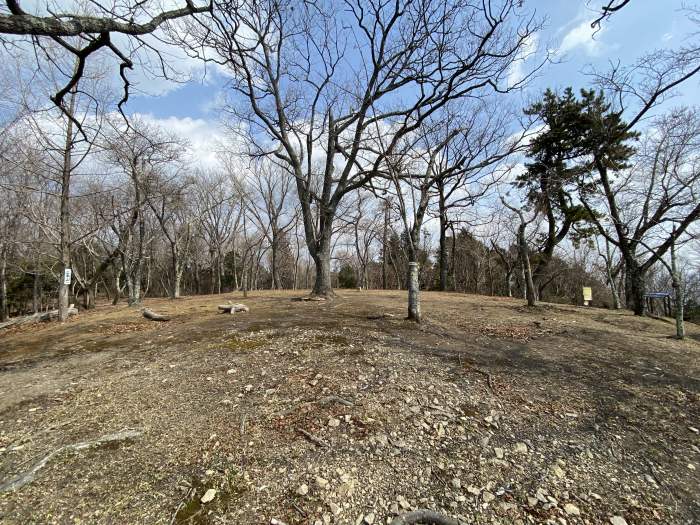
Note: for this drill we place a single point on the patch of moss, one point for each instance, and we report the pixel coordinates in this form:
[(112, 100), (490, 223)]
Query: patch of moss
[(193, 511)]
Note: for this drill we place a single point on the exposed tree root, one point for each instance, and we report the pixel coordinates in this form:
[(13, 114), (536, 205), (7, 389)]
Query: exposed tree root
[(27, 477), (425, 517), (150, 314)]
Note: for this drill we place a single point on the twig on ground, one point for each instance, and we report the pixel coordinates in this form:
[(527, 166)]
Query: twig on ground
[(314, 439), (27, 477)]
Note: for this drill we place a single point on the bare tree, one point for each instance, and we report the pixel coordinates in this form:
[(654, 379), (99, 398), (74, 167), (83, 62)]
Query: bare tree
[(316, 84), (654, 202), (87, 30)]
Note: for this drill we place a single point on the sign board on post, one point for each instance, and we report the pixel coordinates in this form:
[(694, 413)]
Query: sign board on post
[(67, 274), (587, 295)]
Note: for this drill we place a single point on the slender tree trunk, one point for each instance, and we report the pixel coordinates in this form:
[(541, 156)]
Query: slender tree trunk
[(36, 291), (527, 269), (413, 292), (385, 235), (65, 240), (442, 260), (611, 279), (3, 286), (678, 292)]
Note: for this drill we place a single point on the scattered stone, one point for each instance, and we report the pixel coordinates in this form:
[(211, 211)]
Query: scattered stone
[(499, 452), (369, 518), (403, 503), (248, 388), (521, 448), (335, 509), (488, 496), (694, 430), (571, 509), (303, 489), (275, 521), (618, 520), (532, 502), (333, 422), (456, 483), (321, 482), (558, 471), (209, 495)]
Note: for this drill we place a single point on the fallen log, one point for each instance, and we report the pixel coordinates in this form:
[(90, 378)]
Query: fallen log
[(27, 477), (150, 314), (37, 317), (232, 308)]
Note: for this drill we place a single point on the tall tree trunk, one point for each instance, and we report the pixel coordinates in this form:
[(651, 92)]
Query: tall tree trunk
[(678, 292), (611, 278), (3, 285), (65, 240), (527, 269), (442, 260), (36, 291), (385, 235)]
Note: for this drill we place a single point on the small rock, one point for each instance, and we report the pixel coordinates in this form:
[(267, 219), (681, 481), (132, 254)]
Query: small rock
[(618, 520), (303, 489), (369, 518), (691, 466), (209, 495), (694, 430), (521, 448), (571, 509), (403, 503), (248, 388), (456, 483), (488, 496), (333, 422), (499, 452), (233, 371), (321, 482), (532, 502), (558, 471), (335, 509), (274, 521)]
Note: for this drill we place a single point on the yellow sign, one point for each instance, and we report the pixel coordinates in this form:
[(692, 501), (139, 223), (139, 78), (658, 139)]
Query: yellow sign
[(587, 294)]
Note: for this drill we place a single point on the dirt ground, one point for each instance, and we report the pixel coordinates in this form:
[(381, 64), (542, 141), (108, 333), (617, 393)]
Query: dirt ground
[(311, 413)]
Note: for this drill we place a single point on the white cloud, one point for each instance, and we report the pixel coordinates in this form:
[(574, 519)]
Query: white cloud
[(517, 71), (206, 137), (582, 36)]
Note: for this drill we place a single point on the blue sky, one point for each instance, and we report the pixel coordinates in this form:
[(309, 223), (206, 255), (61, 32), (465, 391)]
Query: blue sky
[(642, 27)]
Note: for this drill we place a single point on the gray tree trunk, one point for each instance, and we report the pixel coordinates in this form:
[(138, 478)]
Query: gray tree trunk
[(3, 286), (413, 292), (65, 241), (678, 289)]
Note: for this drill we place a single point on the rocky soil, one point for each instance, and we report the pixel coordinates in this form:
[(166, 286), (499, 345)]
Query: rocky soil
[(311, 413)]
